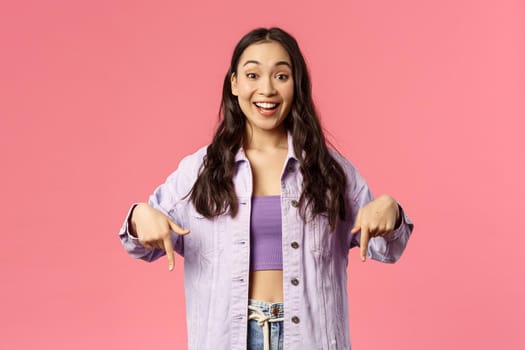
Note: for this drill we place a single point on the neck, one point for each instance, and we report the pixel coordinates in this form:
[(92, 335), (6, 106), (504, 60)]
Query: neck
[(260, 139)]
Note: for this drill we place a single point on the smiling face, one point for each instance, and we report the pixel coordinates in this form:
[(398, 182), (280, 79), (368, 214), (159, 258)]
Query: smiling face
[(264, 86)]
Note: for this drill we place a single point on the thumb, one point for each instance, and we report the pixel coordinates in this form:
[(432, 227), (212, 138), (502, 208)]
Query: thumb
[(177, 229)]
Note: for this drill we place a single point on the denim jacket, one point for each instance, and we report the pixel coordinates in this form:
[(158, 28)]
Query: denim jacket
[(217, 258)]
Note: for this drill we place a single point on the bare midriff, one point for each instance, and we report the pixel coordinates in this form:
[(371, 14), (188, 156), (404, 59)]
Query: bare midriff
[(266, 285)]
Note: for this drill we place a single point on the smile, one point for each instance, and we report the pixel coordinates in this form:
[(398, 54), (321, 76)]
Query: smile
[(266, 105), (267, 109)]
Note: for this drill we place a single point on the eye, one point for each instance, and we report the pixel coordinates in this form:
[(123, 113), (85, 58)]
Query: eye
[(282, 76), (251, 75)]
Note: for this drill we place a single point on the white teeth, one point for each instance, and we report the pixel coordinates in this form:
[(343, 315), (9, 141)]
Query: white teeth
[(265, 105)]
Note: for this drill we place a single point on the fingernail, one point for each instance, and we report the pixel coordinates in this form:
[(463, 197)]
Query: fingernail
[(363, 259), (171, 267)]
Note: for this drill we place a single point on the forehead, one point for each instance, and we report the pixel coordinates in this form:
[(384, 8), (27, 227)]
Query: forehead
[(266, 53)]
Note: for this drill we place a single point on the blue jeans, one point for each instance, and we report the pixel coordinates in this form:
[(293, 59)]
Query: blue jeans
[(263, 315)]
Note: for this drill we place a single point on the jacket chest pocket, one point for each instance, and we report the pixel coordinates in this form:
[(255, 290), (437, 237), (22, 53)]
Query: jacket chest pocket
[(321, 235), (203, 238)]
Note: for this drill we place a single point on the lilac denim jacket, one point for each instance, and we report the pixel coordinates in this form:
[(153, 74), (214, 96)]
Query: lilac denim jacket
[(217, 257)]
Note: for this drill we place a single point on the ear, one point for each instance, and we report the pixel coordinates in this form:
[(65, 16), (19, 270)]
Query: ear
[(233, 80)]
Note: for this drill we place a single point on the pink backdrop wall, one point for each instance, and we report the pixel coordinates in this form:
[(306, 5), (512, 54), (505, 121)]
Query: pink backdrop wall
[(99, 100)]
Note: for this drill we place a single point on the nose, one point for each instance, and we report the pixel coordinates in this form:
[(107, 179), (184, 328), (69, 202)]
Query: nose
[(266, 87)]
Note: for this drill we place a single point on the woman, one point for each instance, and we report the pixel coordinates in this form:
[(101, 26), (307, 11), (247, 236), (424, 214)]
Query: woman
[(266, 214)]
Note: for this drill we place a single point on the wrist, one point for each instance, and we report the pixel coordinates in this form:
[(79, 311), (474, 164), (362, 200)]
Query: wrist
[(132, 224), (399, 217)]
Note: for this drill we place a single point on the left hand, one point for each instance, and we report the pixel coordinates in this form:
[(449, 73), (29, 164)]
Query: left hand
[(377, 218)]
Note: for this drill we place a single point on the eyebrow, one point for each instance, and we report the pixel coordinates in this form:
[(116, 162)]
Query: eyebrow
[(280, 63)]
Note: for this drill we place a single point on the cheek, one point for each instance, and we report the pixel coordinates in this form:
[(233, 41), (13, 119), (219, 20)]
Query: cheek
[(245, 87), (289, 93)]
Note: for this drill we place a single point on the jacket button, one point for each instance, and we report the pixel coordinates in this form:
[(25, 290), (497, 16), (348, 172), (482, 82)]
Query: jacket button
[(295, 281), (294, 203), (295, 320), (295, 245)]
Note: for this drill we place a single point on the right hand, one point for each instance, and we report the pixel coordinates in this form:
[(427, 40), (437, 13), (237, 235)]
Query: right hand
[(152, 228)]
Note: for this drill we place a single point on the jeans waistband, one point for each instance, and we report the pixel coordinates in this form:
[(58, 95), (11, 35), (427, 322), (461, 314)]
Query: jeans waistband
[(265, 313), (273, 310)]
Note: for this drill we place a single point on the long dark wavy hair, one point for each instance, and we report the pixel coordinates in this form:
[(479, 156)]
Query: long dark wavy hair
[(324, 182)]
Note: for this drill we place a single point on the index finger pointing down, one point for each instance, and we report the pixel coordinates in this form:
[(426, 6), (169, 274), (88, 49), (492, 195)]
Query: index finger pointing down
[(168, 247), (365, 235)]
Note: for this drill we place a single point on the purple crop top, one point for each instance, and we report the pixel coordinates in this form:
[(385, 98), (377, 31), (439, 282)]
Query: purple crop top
[(266, 251)]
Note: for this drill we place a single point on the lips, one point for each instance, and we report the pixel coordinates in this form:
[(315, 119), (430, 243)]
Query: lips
[(266, 105), (267, 109)]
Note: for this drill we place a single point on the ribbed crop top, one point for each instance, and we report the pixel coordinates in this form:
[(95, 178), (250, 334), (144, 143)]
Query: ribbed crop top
[(266, 234)]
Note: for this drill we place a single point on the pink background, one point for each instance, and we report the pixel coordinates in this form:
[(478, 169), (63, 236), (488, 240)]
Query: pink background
[(99, 100)]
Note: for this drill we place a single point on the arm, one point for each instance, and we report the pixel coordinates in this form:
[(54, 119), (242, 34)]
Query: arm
[(382, 241), (132, 244), (151, 235), (151, 230), (381, 226)]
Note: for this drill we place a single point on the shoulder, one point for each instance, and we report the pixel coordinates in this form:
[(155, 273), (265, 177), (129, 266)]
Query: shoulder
[(347, 166), (192, 162), (188, 170), (354, 179)]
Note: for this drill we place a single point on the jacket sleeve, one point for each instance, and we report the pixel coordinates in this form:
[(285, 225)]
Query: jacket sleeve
[(388, 248), (170, 198)]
